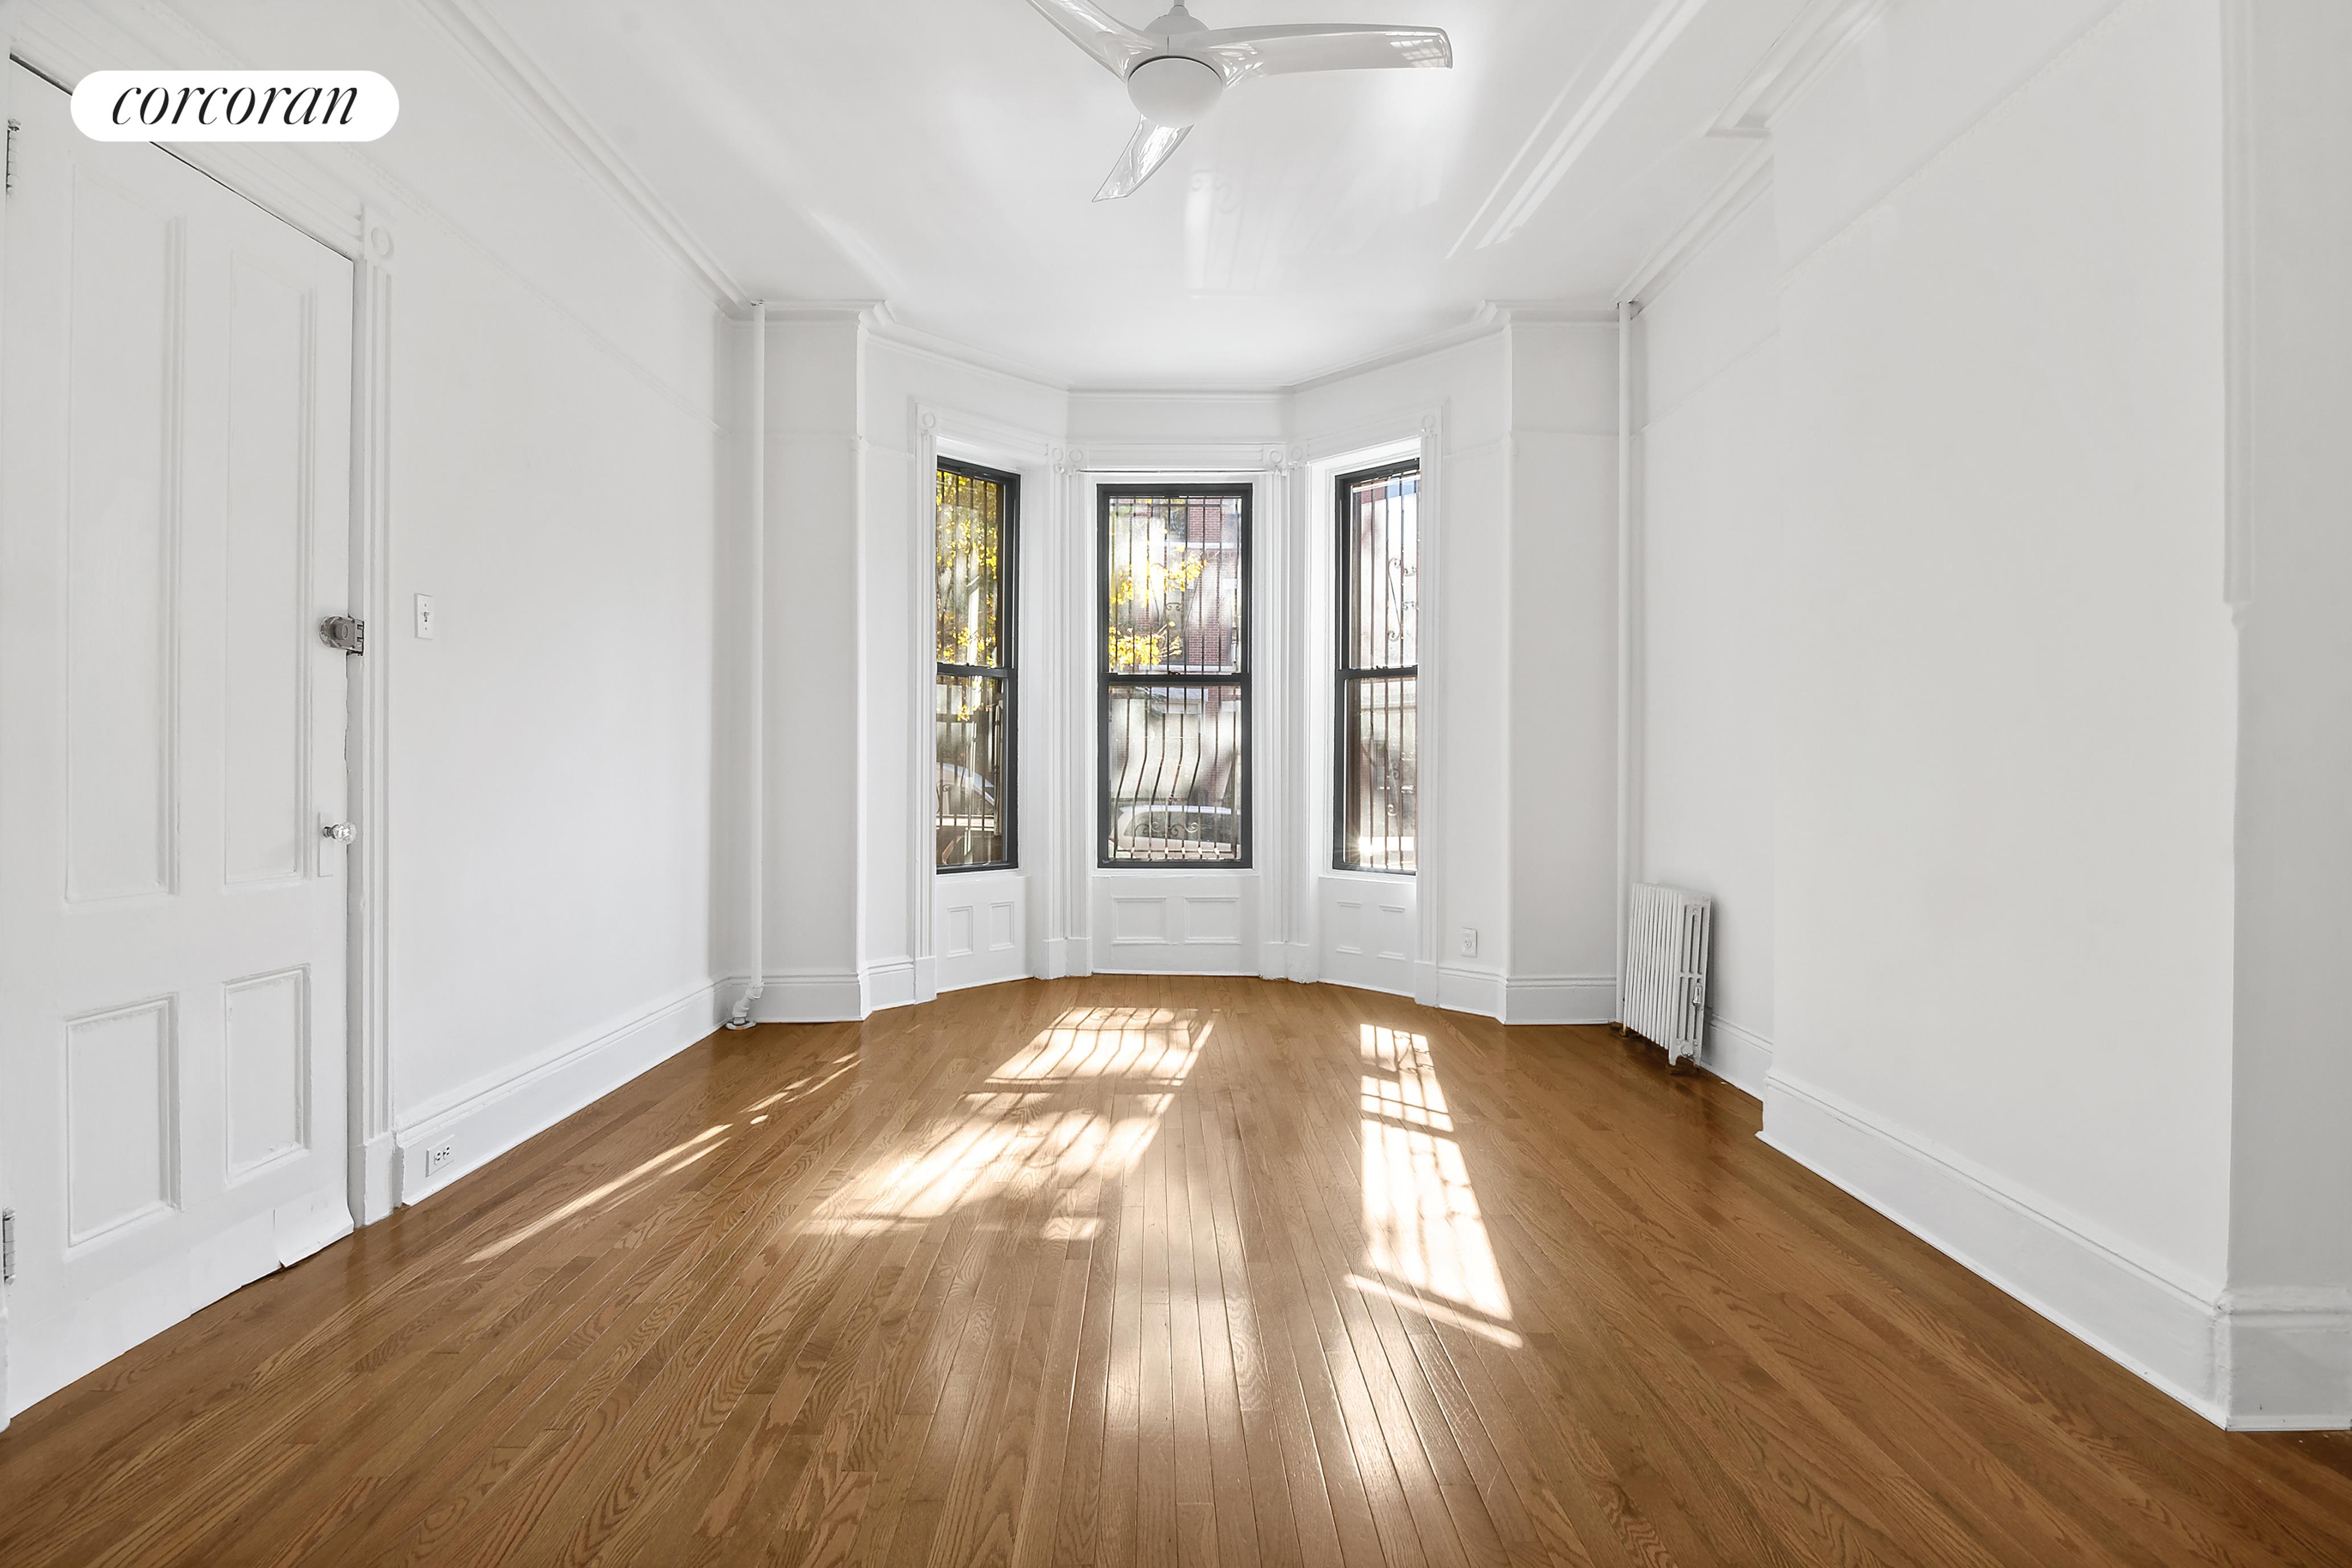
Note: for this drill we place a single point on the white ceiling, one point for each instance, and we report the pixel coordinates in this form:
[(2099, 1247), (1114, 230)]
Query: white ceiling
[(941, 154)]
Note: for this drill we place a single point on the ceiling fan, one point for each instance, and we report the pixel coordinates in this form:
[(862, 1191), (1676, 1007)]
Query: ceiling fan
[(1176, 68)]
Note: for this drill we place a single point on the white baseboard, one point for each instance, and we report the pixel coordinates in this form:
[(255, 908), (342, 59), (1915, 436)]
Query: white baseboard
[(374, 1188), (2140, 1311), (1559, 999), (2286, 1359), (2269, 1358), (486, 1119), (811, 997), (1740, 1057), (1478, 991), (44, 1356), (886, 983)]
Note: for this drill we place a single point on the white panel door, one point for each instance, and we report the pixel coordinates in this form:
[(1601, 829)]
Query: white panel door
[(173, 516)]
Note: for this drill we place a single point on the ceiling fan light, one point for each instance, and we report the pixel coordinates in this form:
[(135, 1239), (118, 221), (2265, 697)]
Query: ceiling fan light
[(1175, 90)]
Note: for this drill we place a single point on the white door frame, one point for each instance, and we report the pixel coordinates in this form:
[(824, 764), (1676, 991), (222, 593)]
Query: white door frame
[(59, 42)]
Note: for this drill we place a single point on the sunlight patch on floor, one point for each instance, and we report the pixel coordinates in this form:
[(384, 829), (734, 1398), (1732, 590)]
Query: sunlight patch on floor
[(675, 1158), (1074, 1110), (1423, 1229)]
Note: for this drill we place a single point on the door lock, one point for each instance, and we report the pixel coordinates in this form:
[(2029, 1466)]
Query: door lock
[(344, 633)]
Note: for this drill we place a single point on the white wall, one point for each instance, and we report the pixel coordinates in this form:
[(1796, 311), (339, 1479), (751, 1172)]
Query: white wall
[(1935, 514), (857, 411), (1710, 448), (556, 424), (1518, 707), (818, 799), (1562, 715), (2290, 1265)]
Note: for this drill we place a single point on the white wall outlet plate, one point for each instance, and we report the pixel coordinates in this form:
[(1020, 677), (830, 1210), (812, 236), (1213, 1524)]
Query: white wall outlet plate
[(439, 1156), (1469, 942)]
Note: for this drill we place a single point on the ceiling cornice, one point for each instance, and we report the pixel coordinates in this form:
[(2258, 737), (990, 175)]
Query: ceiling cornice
[(1821, 32), (1490, 318), (530, 90), (1749, 179), (1568, 127)]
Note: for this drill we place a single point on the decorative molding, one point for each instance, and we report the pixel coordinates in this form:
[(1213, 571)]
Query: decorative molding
[(370, 1085), (1749, 179), (486, 1118), (2139, 1310), (1808, 46), (1571, 126), (510, 67), (1740, 1057)]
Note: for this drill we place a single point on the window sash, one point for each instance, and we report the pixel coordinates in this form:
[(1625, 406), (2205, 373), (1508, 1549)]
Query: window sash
[(963, 807), (1376, 638), (1183, 682)]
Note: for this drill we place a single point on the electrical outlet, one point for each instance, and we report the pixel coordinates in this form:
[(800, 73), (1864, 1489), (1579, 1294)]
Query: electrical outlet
[(437, 1156), (1469, 942)]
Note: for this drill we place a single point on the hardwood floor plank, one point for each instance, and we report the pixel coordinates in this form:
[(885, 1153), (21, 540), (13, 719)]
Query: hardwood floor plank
[(1124, 1271)]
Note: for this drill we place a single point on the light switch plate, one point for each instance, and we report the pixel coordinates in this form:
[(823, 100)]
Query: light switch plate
[(425, 615)]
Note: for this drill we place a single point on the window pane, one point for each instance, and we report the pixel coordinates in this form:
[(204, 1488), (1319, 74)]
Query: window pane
[(971, 525), (974, 724), (1382, 542), (1175, 761), (1174, 567), (1379, 796)]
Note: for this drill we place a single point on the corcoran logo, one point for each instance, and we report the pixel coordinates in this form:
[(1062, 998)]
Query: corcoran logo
[(235, 106)]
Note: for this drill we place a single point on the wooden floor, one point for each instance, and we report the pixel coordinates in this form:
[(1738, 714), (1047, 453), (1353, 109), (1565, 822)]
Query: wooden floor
[(1152, 1271)]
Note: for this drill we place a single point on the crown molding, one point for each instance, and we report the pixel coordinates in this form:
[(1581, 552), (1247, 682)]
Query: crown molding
[(1808, 46), (496, 53), (1748, 180), (862, 312), (1491, 317), (1571, 126), (885, 326)]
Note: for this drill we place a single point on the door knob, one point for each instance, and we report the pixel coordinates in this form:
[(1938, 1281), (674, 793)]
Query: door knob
[(340, 832)]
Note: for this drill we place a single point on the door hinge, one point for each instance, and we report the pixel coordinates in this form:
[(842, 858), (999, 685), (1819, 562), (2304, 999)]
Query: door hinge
[(7, 1247), (14, 126), (344, 633)]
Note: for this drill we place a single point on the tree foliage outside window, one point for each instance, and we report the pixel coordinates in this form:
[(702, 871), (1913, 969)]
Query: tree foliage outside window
[(975, 692), (1376, 776), (1175, 692)]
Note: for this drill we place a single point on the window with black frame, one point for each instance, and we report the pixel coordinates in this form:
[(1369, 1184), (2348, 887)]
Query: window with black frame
[(977, 525), (1175, 688), (1376, 789)]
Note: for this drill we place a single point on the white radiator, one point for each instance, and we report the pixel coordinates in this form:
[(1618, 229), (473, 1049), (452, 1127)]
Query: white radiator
[(1665, 968)]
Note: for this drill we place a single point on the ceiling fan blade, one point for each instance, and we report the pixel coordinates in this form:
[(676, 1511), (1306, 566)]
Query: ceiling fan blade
[(1150, 146), (1113, 45), (1241, 52)]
